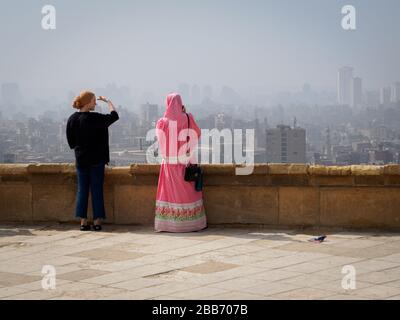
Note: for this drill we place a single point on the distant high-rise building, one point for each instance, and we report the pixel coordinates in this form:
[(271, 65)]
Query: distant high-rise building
[(386, 94), (286, 145), (219, 121), (344, 85), (328, 145), (61, 137), (9, 158), (395, 92), (356, 92), (222, 121), (149, 113)]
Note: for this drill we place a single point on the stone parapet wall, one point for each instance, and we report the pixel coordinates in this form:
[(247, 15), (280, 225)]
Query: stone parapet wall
[(275, 194)]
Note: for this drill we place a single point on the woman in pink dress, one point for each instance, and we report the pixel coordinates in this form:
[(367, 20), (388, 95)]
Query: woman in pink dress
[(179, 207)]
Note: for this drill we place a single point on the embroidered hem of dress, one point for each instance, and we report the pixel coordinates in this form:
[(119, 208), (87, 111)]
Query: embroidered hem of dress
[(174, 225), (179, 212)]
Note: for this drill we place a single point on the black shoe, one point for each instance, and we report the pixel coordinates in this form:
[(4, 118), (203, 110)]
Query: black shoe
[(97, 227), (85, 227)]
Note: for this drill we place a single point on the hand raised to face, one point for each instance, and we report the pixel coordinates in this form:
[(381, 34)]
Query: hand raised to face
[(102, 98)]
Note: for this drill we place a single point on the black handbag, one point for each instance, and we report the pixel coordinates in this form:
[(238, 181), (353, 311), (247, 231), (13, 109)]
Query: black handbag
[(193, 172)]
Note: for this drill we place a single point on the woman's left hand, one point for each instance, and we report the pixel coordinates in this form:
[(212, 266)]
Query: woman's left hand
[(104, 99)]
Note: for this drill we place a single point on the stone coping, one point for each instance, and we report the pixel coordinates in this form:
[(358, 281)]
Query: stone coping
[(214, 169)]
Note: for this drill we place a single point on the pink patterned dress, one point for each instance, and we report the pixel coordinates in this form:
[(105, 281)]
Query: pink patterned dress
[(179, 207)]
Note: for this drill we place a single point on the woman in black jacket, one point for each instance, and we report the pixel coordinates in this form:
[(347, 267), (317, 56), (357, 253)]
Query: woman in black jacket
[(87, 134)]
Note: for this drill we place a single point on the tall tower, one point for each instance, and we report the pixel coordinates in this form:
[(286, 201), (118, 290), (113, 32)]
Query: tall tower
[(148, 114), (396, 92), (386, 93), (328, 144), (356, 92), (344, 85)]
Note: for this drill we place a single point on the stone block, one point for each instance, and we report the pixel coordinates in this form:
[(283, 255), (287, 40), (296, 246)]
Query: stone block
[(298, 206), (15, 203), (287, 169), (220, 169), (318, 170), (144, 169), (365, 170), (134, 204), (53, 202), (363, 207), (392, 169), (338, 181), (244, 204)]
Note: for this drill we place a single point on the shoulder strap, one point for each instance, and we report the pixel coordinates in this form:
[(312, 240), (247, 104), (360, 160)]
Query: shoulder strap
[(187, 137), (188, 125), (188, 120)]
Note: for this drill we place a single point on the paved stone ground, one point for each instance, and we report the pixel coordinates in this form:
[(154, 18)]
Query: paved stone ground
[(217, 263)]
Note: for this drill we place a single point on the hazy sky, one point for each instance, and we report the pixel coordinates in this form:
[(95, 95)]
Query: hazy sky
[(156, 45)]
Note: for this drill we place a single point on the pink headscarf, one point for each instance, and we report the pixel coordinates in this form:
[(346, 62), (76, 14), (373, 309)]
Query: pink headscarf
[(174, 112), (174, 107)]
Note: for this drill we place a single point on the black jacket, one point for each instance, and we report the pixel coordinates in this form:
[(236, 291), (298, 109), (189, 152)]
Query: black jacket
[(87, 134)]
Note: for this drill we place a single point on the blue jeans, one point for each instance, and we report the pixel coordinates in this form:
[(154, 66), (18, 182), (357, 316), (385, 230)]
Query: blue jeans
[(93, 177)]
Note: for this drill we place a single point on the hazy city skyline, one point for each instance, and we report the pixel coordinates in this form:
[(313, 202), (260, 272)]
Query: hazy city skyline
[(311, 91), (152, 47)]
